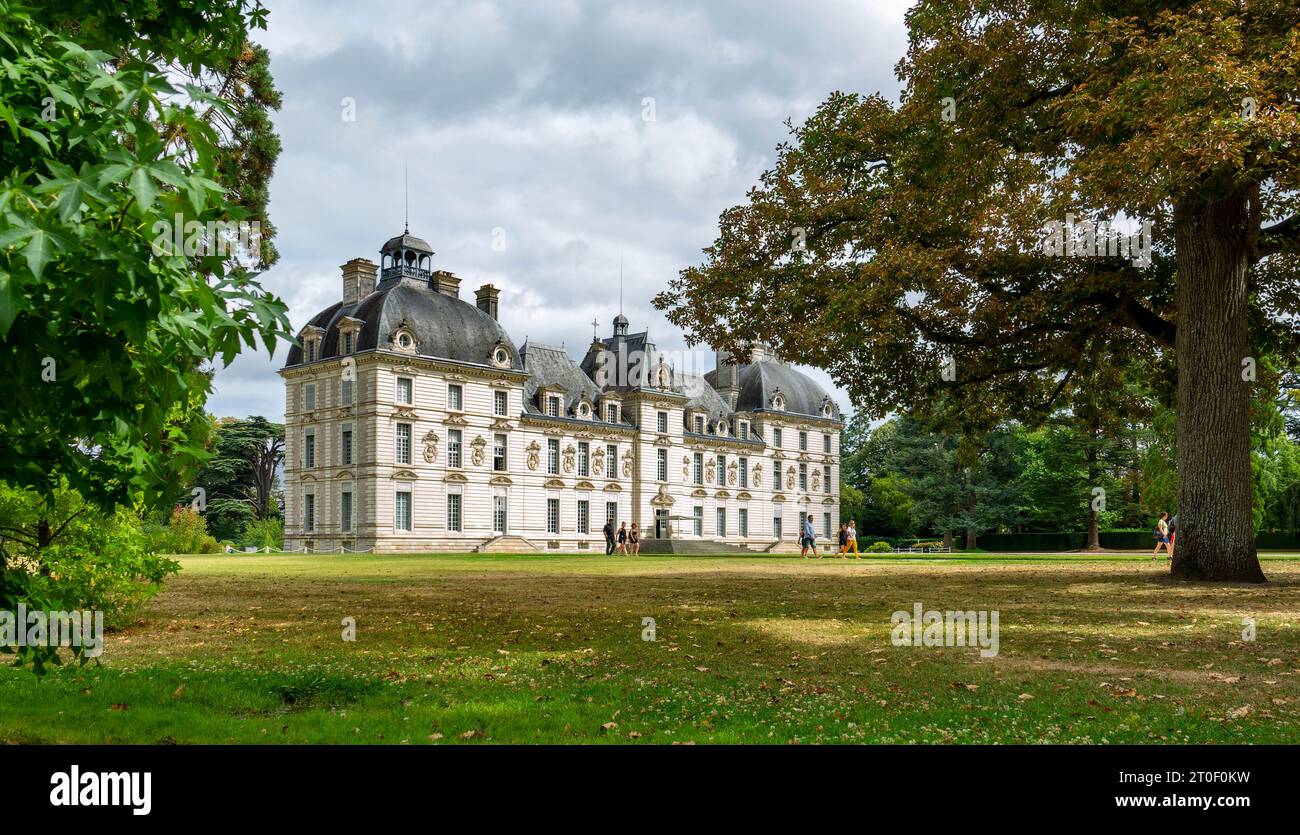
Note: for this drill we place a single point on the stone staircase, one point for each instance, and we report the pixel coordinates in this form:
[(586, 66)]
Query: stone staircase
[(507, 544)]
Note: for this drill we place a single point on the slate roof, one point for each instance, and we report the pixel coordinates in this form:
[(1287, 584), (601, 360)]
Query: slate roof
[(444, 327), (546, 366), (760, 380)]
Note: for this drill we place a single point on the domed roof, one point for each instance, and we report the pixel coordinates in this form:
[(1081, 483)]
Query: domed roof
[(407, 241), (442, 326), (761, 380)]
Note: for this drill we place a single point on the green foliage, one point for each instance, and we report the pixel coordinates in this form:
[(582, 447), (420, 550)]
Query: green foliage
[(67, 554), (264, 533), (104, 336), (186, 533), (239, 479), (879, 547)]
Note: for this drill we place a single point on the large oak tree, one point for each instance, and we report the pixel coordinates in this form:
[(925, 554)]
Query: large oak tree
[(890, 242)]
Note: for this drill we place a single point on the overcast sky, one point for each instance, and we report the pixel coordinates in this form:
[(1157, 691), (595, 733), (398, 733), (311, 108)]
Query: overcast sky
[(528, 122)]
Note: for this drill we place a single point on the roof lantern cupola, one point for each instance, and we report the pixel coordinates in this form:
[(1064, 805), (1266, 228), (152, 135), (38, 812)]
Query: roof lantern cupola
[(406, 256)]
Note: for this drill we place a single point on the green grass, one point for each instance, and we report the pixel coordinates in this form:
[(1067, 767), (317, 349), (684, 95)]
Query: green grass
[(548, 648)]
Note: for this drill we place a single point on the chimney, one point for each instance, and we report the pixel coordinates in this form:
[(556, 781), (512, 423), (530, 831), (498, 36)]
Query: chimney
[(486, 298), (358, 279), (446, 283)]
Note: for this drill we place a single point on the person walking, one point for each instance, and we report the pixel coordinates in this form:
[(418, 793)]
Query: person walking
[(853, 539), (1173, 535), (808, 538), (609, 536), (634, 540), (844, 539), (622, 538), (1162, 537)]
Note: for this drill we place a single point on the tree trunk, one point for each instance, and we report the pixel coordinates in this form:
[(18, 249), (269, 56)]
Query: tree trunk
[(947, 540), (1094, 476), (970, 538), (1216, 527)]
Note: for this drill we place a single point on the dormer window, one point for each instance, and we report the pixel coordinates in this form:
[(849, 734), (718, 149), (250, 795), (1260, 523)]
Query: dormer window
[(348, 340), (611, 413), (311, 350), (744, 429), (584, 409), (553, 406), (699, 425), (722, 427), (501, 356)]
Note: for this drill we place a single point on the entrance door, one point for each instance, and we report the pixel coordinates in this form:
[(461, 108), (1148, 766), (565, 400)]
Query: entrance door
[(499, 514), (662, 528)]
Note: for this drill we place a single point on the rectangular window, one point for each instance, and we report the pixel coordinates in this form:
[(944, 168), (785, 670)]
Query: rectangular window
[(803, 441), (584, 515), (584, 459), (552, 515), (826, 478), (455, 397), (776, 527), (776, 437), (405, 391), (744, 429), (309, 512), (309, 397), (553, 456), (454, 520), (826, 525), (611, 511), (722, 521), (826, 444), (803, 478), (345, 393), (309, 449), (403, 442), (345, 444), (553, 406), (742, 522), (661, 468), (699, 468), (500, 403), (611, 413), (721, 472), (499, 452), (611, 459), (348, 339), (743, 466), (402, 511), (454, 437), (697, 520), (345, 511), (311, 350), (661, 422), (699, 424)]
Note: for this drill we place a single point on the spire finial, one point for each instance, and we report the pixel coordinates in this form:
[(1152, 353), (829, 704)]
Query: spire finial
[(406, 189), (620, 283)]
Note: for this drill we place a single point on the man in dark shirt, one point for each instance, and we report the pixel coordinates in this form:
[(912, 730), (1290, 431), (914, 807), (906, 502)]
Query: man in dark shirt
[(609, 537)]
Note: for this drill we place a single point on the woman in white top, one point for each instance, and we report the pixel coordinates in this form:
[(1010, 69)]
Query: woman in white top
[(1162, 537)]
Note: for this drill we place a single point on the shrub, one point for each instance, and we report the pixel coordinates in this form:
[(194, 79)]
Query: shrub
[(264, 533), (187, 533), (85, 559), (878, 547)]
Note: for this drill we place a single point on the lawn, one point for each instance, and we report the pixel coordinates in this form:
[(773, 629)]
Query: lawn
[(452, 649)]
